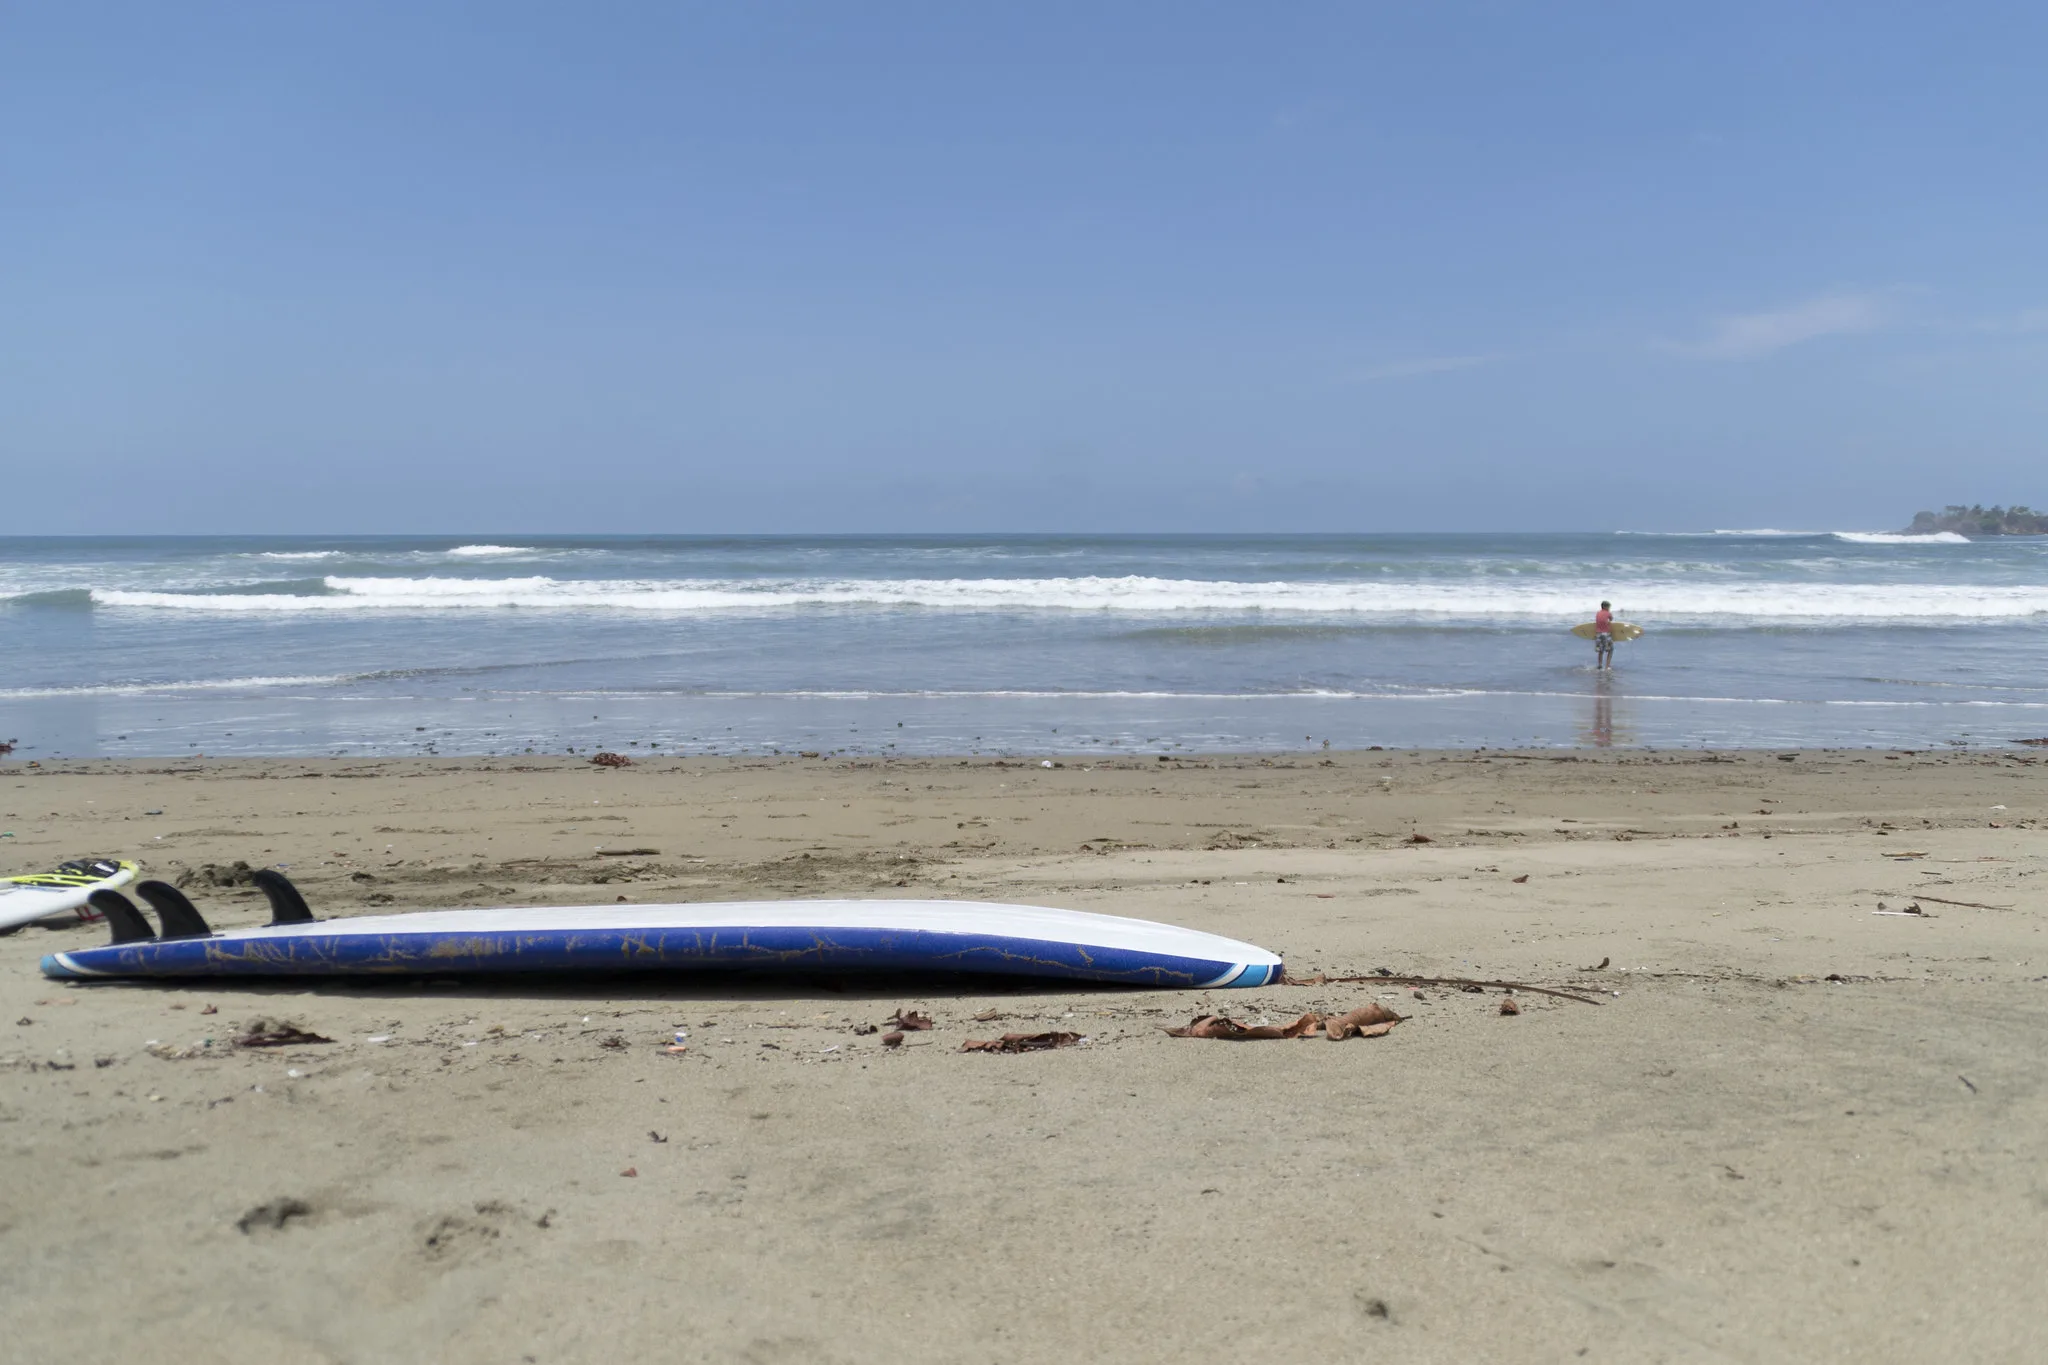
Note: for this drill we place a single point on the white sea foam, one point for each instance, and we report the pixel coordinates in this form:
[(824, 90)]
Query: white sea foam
[(489, 551), (298, 554), (144, 689), (1854, 537), (1769, 531), (1651, 600), (1894, 538)]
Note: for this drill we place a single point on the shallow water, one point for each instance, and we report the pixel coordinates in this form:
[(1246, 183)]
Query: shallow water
[(1027, 644)]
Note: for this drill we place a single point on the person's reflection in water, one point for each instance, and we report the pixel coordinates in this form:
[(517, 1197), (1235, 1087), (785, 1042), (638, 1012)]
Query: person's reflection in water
[(1601, 736)]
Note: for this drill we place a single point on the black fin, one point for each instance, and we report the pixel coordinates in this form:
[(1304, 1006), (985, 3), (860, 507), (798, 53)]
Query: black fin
[(287, 906), (181, 917), (122, 917)]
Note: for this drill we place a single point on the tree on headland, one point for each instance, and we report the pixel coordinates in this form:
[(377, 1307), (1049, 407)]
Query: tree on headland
[(1978, 520)]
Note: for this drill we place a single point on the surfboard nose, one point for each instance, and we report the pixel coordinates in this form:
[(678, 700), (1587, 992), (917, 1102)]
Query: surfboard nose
[(54, 968)]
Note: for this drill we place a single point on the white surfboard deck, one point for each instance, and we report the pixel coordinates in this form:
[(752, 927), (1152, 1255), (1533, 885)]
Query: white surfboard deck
[(42, 895)]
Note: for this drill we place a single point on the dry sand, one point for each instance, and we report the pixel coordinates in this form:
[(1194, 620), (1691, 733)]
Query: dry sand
[(1794, 1130)]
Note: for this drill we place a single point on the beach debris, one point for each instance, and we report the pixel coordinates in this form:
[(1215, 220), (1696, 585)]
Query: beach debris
[(2041, 742), (607, 759), (1416, 991), (630, 1172), (172, 1052), (1910, 912), (1367, 1021), (239, 873), (277, 1033), (615, 1043), (863, 1030), (910, 1021), (988, 1016), (1420, 839), (1508, 1005), (211, 1009), (657, 1136), (273, 1215), (676, 1049), (1383, 976), (1904, 853), (1599, 966), (1022, 1042), (1968, 905), (892, 1040), (626, 853), (1967, 1081), (1523, 878)]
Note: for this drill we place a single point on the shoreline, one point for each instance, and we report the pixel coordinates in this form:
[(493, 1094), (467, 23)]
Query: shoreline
[(1787, 1108)]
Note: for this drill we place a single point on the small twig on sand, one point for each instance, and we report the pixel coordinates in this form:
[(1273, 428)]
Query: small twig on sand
[(1973, 905), (1320, 980)]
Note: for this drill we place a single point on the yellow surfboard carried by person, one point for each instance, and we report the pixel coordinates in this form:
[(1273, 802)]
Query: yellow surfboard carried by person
[(1603, 630)]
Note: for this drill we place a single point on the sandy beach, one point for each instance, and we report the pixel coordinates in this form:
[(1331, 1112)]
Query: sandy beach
[(1792, 1127)]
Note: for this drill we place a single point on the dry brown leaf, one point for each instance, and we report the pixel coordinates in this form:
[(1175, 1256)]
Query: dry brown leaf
[(910, 1021), (1523, 878), (1508, 1005), (1232, 1030), (1420, 839), (1022, 1042), (1367, 1021)]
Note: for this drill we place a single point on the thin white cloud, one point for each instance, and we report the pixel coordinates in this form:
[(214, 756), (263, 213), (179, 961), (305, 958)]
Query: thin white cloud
[(1745, 336), (1433, 364), (2025, 321)]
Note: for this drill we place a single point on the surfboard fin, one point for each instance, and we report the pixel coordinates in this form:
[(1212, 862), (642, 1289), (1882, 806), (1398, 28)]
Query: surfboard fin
[(287, 906), (181, 918), (122, 917)]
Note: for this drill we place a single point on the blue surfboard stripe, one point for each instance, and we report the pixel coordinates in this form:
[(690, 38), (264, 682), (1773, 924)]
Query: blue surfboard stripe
[(640, 949)]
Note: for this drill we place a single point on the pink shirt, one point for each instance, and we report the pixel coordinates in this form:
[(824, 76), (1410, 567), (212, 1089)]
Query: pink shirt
[(1602, 620)]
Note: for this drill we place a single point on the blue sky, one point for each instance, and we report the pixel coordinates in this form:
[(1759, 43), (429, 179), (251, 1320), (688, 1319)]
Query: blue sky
[(1177, 266)]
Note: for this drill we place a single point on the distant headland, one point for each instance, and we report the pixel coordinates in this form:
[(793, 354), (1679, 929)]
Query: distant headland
[(1980, 521)]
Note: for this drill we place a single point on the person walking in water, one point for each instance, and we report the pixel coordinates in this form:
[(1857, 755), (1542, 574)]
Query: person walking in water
[(1603, 637)]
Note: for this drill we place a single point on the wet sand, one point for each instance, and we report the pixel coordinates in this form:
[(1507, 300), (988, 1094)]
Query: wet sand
[(1794, 1129)]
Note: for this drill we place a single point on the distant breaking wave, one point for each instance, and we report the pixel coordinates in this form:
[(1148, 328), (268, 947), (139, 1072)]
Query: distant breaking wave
[(1894, 538), (1852, 537), (144, 689), (1745, 603)]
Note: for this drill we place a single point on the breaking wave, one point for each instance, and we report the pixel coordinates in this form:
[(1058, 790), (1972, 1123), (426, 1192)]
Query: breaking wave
[(1897, 538), (139, 689), (1663, 601)]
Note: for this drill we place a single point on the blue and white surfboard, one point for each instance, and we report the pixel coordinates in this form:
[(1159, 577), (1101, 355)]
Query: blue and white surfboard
[(836, 935)]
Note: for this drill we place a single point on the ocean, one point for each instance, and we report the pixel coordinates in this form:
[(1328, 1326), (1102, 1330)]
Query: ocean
[(1014, 645)]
